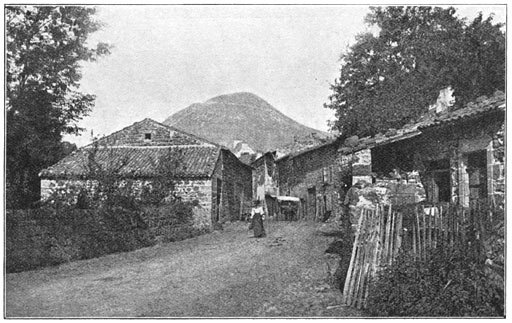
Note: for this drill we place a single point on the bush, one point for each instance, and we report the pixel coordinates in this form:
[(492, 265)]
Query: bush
[(106, 214), (447, 283), (170, 222)]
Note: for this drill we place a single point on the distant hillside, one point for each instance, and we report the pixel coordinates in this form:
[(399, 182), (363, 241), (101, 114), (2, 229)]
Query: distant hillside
[(241, 116)]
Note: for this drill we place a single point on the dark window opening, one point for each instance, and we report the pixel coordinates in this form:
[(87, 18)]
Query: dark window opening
[(439, 184), (477, 174), (147, 136), (386, 159), (442, 185)]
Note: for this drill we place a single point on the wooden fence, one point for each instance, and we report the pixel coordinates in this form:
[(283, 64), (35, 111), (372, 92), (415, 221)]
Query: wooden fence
[(386, 230)]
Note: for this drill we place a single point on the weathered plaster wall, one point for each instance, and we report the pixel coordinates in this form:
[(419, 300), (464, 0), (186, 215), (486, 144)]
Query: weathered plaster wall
[(264, 177)]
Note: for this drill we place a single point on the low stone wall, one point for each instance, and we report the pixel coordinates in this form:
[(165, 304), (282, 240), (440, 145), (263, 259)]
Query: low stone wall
[(44, 237)]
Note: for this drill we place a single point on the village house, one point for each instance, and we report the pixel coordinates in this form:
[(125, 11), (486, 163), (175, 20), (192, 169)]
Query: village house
[(458, 155), (312, 176), (448, 156), (206, 173)]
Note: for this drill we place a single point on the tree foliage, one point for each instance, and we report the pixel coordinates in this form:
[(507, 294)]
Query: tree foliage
[(390, 79), (44, 47)]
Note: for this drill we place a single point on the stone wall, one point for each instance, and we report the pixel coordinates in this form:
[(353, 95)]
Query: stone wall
[(498, 166), (314, 177), (44, 237), (200, 191), (191, 190), (362, 166)]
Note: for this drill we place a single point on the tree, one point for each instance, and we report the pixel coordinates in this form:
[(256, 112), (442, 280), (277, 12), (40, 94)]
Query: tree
[(391, 79), (44, 46)]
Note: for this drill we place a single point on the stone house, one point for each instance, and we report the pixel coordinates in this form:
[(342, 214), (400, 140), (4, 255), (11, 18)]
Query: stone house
[(458, 155), (448, 156), (313, 176), (202, 171)]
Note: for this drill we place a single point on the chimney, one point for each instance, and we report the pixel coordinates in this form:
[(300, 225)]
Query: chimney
[(444, 101)]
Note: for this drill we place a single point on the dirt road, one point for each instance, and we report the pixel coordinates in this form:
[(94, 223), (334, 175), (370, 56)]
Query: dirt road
[(222, 274)]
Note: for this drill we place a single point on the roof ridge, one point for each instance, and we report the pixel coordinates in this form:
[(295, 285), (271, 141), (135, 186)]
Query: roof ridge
[(159, 124), (185, 132)]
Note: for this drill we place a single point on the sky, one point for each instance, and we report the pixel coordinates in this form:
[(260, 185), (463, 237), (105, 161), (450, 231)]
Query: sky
[(167, 57)]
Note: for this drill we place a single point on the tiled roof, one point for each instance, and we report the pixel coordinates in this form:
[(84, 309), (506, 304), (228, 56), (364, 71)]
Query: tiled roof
[(134, 162), (392, 135), (481, 106), (306, 150)]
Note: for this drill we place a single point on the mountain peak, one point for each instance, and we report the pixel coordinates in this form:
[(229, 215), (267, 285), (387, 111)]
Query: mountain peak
[(241, 116), (239, 98)]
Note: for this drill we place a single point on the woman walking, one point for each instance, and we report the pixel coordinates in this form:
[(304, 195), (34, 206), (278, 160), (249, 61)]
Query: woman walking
[(257, 217)]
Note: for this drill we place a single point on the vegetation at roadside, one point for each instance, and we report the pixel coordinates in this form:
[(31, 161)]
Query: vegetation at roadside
[(105, 214), (460, 280), (448, 283)]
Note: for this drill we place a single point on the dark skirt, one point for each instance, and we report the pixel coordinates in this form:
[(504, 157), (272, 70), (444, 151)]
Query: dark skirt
[(257, 225)]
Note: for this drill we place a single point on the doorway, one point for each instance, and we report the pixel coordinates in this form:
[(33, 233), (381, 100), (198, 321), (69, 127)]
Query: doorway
[(311, 203), (477, 175)]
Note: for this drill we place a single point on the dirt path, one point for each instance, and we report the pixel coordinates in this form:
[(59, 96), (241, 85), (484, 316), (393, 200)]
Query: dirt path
[(222, 274)]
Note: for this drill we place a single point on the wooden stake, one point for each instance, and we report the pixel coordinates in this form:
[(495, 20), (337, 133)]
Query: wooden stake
[(375, 234), (414, 239), (348, 280), (398, 233), (358, 265), (418, 231), (391, 237), (389, 229)]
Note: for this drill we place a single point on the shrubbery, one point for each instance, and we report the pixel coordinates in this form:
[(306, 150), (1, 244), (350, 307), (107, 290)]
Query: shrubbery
[(106, 214), (49, 236), (448, 283)]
